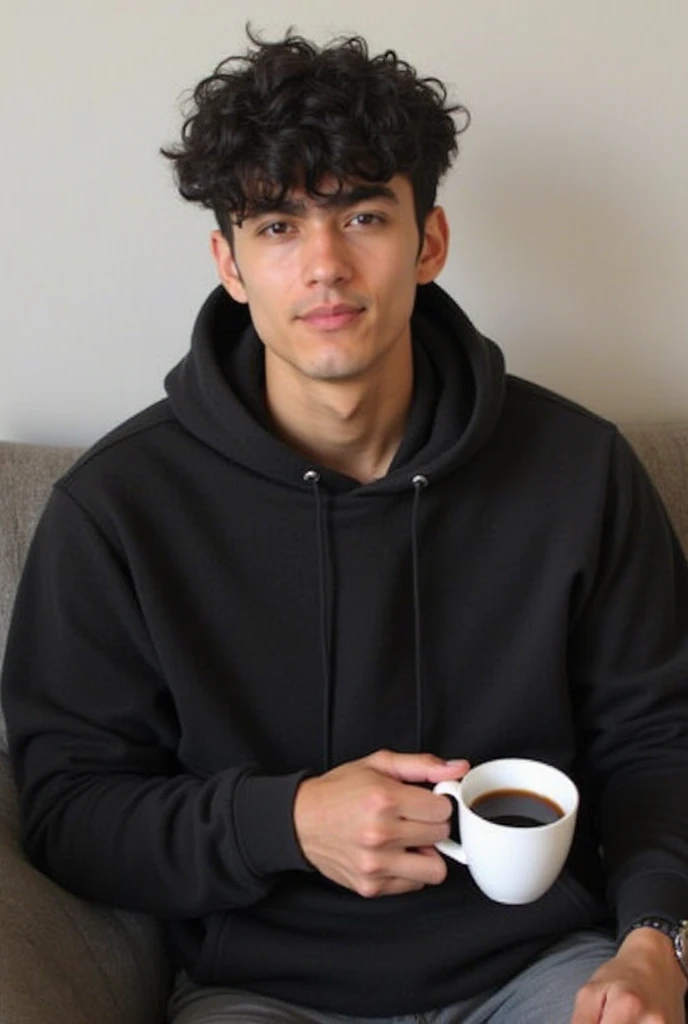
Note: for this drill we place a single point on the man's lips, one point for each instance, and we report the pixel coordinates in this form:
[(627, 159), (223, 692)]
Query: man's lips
[(331, 317)]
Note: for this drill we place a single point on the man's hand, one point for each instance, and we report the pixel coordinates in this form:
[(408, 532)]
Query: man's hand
[(366, 826), (642, 984)]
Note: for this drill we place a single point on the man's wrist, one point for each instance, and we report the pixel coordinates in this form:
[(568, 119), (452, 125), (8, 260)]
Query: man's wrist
[(655, 937)]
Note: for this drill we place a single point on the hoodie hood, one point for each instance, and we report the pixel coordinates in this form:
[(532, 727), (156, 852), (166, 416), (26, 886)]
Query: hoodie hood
[(217, 393)]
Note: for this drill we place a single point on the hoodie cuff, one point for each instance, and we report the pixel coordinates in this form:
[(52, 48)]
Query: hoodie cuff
[(264, 822), (657, 894)]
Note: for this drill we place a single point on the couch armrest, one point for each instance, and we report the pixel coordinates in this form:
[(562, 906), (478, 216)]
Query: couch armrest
[(66, 961)]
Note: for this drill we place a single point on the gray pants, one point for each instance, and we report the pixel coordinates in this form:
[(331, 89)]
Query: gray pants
[(544, 993)]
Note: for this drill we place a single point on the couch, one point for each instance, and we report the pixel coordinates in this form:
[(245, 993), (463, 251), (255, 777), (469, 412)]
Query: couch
[(65, 961)]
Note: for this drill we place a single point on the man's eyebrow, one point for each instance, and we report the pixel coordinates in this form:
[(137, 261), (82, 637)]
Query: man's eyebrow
[(337, 200), (359, 194)]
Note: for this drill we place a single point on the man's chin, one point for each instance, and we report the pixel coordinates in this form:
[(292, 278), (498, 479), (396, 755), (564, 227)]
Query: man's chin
[(333, 363), (335, 375)]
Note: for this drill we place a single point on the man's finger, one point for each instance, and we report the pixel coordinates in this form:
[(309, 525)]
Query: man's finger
[(589, 1005), (417, 767), (405, 872), (425, 866), (419, 805), (417, 835)]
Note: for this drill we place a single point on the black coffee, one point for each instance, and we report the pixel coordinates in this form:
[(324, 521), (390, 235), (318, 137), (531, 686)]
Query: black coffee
[(517, 807)]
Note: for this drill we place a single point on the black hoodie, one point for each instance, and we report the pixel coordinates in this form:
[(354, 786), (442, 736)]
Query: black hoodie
[(206, 617)]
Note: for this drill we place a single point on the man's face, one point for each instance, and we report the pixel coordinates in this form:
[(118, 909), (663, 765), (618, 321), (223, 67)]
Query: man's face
[(331, 283)]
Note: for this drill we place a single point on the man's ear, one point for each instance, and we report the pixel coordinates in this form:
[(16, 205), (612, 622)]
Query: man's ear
[(226, 267), (435, 248)]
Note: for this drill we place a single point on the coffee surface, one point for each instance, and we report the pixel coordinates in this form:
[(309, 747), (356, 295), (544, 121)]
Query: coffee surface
[(519, 808)]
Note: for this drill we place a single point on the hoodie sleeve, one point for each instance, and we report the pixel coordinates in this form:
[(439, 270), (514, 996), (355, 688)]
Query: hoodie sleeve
[(108, 810), (629, 668)]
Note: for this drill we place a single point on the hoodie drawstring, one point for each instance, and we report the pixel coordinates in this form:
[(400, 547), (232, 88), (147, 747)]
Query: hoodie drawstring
[(312, 477), (419, 482)]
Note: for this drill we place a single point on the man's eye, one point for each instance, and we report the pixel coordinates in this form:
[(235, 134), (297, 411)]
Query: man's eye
[(276, 227), (365, 219)]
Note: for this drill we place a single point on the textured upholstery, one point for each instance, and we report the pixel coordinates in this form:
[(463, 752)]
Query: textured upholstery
[(63, 961), (26, 474), (663, 448)]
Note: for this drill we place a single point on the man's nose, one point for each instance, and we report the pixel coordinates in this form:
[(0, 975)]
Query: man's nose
[(325, 257)]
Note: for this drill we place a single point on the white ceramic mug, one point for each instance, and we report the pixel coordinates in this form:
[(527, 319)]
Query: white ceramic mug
[(512, 864)]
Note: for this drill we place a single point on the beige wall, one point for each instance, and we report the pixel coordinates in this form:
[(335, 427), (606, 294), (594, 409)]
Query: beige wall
[(569, 203)]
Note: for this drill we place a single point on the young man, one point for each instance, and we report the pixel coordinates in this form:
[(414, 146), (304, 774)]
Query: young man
[(346, 552)]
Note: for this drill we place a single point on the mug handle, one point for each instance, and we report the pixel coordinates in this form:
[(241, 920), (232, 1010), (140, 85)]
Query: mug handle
[(447, 846)]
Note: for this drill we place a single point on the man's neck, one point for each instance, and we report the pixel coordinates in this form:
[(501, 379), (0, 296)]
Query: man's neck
[(350, 427)]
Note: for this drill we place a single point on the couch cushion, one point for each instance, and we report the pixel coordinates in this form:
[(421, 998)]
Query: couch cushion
[(65, 961), (663, 448), (27, 472)]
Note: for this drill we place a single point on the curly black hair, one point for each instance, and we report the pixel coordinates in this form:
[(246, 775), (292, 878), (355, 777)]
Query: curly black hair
[(289, 114)]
